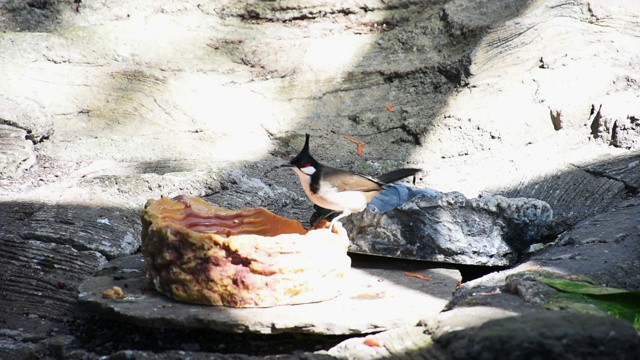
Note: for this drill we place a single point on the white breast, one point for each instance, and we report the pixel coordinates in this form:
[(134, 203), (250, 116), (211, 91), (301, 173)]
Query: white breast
[(330, 198)]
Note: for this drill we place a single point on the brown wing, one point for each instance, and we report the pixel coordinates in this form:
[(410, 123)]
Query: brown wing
[(347, 181)]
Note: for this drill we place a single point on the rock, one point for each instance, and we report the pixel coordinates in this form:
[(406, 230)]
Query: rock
[(39, 284), (528, 288), (571, 181), (183, 86), (545, 334), (26, 114), (252, 191), (378, 294), (172, 355), (616, 120), (404, 342), (490, 291), (58, 345), (604, 247), (108, 230), (16, 152), (14, 345), (465, 318), (624, 169), (468, 15), (491, 230)]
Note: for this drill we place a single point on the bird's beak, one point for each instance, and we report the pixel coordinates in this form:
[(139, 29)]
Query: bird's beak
[(287, 164)]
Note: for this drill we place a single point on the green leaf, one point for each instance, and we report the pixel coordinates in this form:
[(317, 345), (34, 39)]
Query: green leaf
[(578, 287), (588, 298)]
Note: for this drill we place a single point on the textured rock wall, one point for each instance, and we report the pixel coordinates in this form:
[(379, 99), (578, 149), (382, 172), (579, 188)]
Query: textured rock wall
[(123, 101)]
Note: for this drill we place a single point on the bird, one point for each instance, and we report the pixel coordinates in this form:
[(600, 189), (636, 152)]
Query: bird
[(340, 190)]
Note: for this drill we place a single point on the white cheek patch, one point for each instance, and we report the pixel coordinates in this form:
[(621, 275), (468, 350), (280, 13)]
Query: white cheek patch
[(309, 170)]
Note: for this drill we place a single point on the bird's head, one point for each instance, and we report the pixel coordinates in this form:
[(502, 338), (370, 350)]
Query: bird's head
[(304, 161)]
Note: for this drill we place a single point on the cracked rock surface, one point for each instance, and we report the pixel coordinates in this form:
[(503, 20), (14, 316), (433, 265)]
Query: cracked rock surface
[(104, 105), (449, 228)]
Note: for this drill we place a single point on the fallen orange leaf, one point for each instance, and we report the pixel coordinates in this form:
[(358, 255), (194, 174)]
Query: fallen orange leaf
[(418, 276), (360, 144), (371, 341), (389, 107)]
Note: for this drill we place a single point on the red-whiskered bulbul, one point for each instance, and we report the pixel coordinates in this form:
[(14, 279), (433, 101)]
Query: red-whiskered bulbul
[(337, 189)]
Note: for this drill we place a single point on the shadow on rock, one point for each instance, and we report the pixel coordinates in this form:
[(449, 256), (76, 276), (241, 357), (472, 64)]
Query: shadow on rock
[(545, 335)]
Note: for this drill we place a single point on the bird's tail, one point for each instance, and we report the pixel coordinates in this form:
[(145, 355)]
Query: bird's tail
[(396, 175)]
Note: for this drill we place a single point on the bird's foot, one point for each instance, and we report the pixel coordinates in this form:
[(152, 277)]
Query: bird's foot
[(332, 224), (335, 220)]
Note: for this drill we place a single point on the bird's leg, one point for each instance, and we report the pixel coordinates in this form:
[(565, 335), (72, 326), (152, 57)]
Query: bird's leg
[(346, 212)]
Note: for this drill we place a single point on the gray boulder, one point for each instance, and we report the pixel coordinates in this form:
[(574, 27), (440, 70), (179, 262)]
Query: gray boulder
[(448, 227), (544, 335)]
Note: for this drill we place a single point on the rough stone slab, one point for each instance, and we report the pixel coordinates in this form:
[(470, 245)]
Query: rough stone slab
[(377, 295), (545, 335), (14, 346), (477, 15), (491, 230), (531, 64), (38, 290), (573, 182), (615, 120), (465, 318), (16, 152), (110, 231), (604, 247), (624, 168), (405, 343), (192, 355), (26, 114)]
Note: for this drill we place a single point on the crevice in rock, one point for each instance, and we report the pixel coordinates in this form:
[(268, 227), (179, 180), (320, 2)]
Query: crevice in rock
[(457, 71), (629, 188), (30, 135), (35, 140), (278, 12), (60, 241), (405, 127), (39, 4), (13, 124), (104, 337), (472, 272)]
